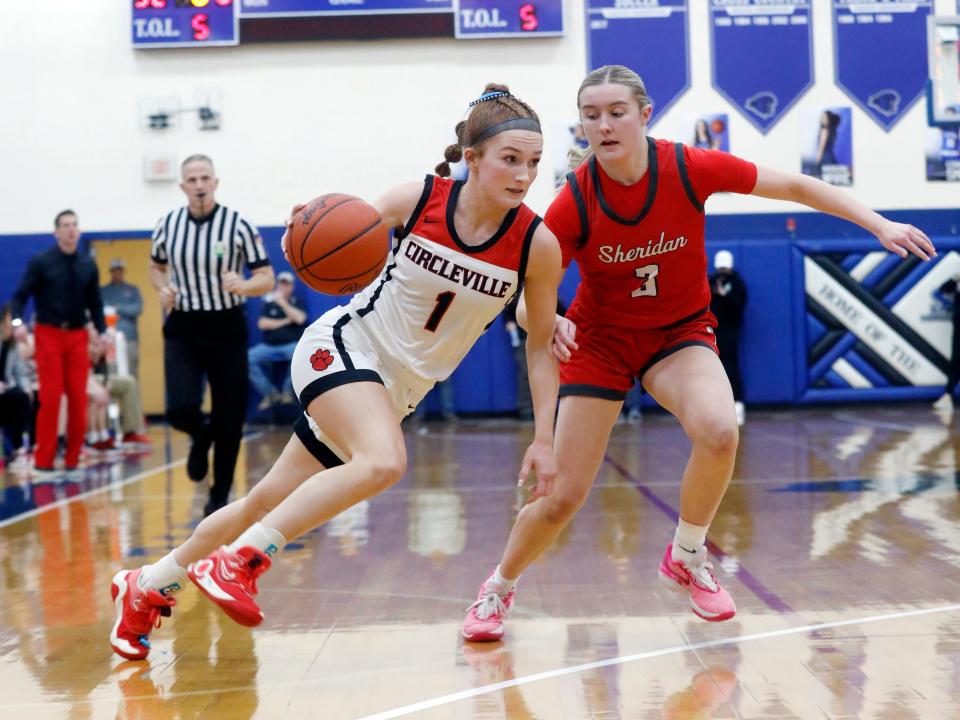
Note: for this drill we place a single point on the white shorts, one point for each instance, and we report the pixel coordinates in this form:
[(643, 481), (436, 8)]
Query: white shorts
[(335, 351)]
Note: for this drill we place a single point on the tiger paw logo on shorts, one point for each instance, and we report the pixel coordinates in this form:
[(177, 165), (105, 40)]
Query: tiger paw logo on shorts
[(321, 360)]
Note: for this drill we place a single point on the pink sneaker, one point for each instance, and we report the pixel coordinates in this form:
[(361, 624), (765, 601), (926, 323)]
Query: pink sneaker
[(707, 598), (484, 621)]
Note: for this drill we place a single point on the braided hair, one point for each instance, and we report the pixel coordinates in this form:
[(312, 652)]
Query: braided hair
[(494, 105)]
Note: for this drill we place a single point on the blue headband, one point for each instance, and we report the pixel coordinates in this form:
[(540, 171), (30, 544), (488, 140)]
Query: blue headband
[(492, 95)]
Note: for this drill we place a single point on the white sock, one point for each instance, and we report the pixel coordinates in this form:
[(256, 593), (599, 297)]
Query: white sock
[(91, 437), (688, 540), (104, 435), (264, 539), (500, 583), (164, 576)]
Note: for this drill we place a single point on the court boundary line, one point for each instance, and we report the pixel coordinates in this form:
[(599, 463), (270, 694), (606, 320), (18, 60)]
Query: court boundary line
[(527, 679), (623, 659), (109, 486), (89, 493)]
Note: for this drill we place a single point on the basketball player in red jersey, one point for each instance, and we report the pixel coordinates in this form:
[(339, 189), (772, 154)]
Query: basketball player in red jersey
[(462, 251), (631, 215)]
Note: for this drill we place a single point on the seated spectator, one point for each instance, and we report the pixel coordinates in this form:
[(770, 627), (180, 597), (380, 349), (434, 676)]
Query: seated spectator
[(282, 321), (14, 394), (103, 386)]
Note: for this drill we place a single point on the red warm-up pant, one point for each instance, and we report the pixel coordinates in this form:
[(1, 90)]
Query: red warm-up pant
[(63, 364)]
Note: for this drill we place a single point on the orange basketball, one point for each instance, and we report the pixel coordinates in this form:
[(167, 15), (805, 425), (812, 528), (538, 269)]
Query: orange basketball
[(338, 244)]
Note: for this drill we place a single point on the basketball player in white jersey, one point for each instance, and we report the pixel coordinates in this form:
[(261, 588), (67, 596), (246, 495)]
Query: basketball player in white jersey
[(461, 251)]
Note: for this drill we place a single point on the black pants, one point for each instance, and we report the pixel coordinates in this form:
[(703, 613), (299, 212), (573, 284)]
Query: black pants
[(211, 344), (14, 415), (728, 342), (953, 376)]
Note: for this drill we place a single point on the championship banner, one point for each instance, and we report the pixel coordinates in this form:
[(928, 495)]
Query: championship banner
[(762, 56), (877, 326), (881, 54), (648, 36)]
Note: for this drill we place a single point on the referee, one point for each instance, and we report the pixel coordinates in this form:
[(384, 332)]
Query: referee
[(196, 267)]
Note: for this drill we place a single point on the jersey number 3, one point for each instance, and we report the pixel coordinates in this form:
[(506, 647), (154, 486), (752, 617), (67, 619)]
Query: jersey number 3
[(444, 300), (648, 277)]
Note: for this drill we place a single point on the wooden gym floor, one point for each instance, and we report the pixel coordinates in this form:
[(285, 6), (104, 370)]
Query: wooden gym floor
[(839, 539)]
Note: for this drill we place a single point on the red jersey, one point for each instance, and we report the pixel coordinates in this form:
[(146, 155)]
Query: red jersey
[(640, 248)]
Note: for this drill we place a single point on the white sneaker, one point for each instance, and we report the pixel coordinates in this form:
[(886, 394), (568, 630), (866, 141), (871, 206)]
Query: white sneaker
[(741, 413), (944, 403)]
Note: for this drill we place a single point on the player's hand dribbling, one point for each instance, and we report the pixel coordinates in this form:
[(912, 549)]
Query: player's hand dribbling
[(902, 239), (564, 334), (284, 241), (168, 297), (539, 459)]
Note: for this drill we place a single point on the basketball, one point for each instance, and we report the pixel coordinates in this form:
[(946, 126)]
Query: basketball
[(338, 244)]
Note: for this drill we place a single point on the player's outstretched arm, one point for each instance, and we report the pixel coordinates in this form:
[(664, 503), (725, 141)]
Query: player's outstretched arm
[(544, 273), (898, 238)]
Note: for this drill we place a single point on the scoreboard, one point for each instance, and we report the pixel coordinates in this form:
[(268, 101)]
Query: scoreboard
[(178, 23), (309, 8), (209, 23), (507, 18)]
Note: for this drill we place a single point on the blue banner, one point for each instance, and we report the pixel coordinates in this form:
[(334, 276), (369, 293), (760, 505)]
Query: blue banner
[(268, 8), (762, 56), (881, 54), (508, 18), (168, 23), (649, 37)]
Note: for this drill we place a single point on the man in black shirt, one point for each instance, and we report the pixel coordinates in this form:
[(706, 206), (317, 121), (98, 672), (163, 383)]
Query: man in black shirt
[(281, 321), (65, 286), (729, 298)]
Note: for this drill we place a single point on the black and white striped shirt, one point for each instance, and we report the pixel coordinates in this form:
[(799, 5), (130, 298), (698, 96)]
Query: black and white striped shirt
[(200, 251)]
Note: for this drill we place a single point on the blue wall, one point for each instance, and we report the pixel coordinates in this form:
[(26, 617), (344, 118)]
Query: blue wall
[(773, 358)]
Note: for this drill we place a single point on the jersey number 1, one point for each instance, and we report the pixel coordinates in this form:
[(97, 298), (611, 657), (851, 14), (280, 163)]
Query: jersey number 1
[(444, 301), (648, 276)]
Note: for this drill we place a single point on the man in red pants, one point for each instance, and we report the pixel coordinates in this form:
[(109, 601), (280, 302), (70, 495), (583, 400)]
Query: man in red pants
[(65, 286)]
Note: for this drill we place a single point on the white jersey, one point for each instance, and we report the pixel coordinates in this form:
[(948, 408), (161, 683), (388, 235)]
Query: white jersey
[(436, 295)]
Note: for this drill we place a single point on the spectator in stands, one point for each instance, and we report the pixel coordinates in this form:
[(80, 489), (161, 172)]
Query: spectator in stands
[(103, 386), (282, 321), (729, 297), (14, 394), (128, 302)]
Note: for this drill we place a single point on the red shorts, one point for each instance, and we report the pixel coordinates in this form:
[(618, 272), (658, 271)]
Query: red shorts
[(610, 359)]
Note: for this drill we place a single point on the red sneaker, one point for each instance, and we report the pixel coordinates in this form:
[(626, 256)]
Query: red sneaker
[(230, 580), (138, 613), (134, 438)]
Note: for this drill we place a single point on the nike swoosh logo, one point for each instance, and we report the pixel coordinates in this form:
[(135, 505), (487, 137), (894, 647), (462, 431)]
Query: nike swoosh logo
[(211, 587), (226, 572)]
